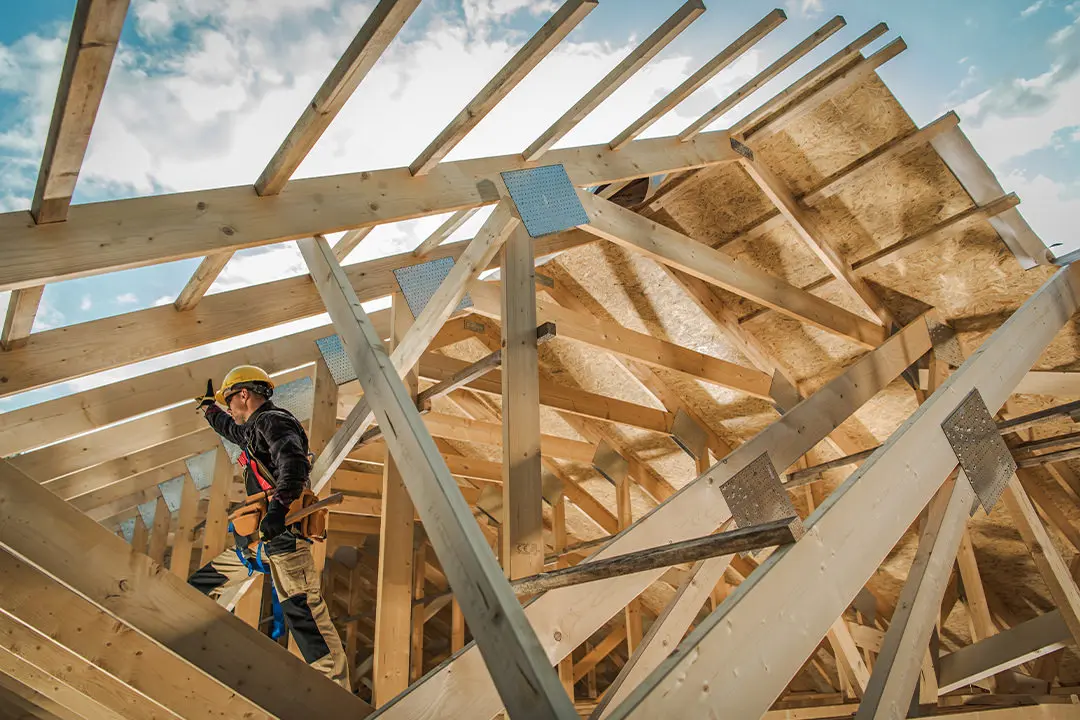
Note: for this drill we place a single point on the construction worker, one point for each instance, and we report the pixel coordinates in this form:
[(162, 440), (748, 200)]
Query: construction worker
[(276, 462)]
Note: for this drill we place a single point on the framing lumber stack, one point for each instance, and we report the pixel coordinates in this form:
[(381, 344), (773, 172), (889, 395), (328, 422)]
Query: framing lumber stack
[(820, 284)]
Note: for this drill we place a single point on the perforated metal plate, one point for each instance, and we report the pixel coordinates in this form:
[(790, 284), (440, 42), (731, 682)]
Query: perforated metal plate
[(172, 490), (333, 353), (546, 199), (419, 282), (688, 435), (742, 149), (127, 529), (755, 494), (978, 445), (201, 468), (609, 463), (147, 511), (946, 345)]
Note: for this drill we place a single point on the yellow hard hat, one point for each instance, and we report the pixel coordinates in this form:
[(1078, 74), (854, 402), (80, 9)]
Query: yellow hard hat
[(240, 377)]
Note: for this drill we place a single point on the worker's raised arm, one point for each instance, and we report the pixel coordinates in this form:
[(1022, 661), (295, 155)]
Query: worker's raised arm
[(224, 425)]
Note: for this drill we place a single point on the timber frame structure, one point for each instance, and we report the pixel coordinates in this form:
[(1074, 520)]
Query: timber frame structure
[(832, 285)]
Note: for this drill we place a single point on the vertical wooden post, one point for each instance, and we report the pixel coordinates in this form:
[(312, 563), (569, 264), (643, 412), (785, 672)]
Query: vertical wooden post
[(159, 533), (184, 538), (558, 525), (633, 608), (139, 537), (457, 627), (416, 646), (352, 632), (323, 425), (393, 604), (523, 527), (217, 522)]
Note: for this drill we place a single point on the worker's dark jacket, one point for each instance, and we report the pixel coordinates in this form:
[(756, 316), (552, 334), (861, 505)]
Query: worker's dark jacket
[(276, 438)]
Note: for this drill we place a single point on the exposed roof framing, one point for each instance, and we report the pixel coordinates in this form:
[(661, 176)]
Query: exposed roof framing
[(793, 291)]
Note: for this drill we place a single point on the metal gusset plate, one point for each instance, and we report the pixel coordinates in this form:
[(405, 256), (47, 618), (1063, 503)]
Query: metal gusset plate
[(982, 453), (419, 282), (945, 342), (147, 511), (172, 490), (201, 467), (755, 495), (689, 436), (127, 529), (297, 397), (742, 149), (336, 359), (545, 199), (610, 463)]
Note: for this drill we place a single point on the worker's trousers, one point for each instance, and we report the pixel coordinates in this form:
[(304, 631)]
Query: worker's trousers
[(293, 571)]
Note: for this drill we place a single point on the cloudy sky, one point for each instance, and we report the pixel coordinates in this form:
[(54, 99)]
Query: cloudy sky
[(203, 91)]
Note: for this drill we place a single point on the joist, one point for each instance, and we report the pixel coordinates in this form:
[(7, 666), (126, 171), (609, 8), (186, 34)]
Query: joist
[(462, 688), (702, 75), (184, 537), (768, 73), (627, 343), (116, 235), (161, 605), (28, 677), (524, 60), (159, 532), (852, 534), (637, 59), (527, 684), (678, 251)]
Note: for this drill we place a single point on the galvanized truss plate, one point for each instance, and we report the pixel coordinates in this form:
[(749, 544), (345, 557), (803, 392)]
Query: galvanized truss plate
[(755, 494), (742, 149), (946, 345), (336, 359), (688, 435), (147, 511), (297, 397), (545, 199), (201, 467), (979, 448), (172, 490), (419, 282), (127, 529), (610, 463)]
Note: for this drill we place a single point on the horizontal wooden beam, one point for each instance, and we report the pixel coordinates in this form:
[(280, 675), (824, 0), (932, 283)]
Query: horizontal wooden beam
[(630, 344), (120, 234)]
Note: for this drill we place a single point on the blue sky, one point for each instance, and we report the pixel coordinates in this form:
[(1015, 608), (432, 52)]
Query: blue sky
[(202, 92)]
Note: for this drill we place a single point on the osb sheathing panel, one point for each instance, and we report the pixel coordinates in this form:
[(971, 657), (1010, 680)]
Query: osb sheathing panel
[(967, 274)]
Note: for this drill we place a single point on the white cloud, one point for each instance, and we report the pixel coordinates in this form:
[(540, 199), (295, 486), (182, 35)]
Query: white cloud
[(86, 303), (805, 8), (479, 12), (48, 315), (1051, 208), (127, 298), (1032, 8), (164, 300)]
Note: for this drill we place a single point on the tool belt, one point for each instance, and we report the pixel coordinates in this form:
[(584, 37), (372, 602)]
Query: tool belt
[(247, 518)]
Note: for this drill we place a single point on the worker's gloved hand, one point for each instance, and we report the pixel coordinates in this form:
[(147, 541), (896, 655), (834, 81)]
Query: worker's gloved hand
[(207, 400), (273, 523)]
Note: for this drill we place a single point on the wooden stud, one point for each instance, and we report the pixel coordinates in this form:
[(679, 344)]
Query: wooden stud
[(632, 613), (416, 644), (393, 591), (140, 536), (558, 527), (772, 70), (527, 684), (697, 509), (42, 528), (378, 31), (184, 537), (19, 321), (706, 72), (159, 533), (522, 526), (627, 67), (525, 59), (602, 649), (838, 546), (628, 229), (217, 523)]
